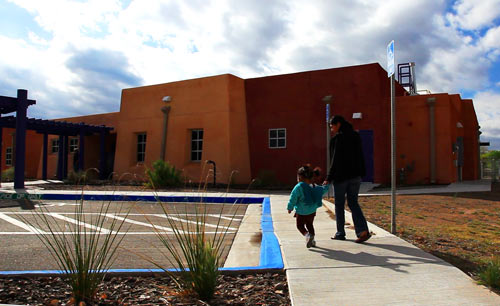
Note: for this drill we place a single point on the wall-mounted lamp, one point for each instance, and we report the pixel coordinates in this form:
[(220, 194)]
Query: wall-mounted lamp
[(166, 99), (327, 99)]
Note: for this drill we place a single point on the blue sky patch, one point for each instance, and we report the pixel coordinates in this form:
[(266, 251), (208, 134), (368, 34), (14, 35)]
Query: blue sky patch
[(17, 22)]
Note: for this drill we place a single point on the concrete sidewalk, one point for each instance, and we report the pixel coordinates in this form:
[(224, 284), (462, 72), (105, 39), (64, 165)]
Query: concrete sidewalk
[(383, 271), (368, 189)]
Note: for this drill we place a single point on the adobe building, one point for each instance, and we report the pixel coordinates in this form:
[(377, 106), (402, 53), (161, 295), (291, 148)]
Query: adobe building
[(269, 126)]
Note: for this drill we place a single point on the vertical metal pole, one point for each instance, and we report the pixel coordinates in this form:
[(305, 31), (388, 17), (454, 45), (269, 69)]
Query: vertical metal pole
[(328, 137), (22, 100), (165, 110), (393, 157)]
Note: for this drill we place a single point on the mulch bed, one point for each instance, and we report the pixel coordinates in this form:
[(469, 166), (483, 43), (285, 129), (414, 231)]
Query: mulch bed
[(255, 289)]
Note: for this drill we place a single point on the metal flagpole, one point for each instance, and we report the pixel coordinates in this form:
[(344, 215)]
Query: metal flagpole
[(390, 73), (393, 157)]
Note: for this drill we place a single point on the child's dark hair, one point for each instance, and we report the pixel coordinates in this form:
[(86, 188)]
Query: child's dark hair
[(317, 172), (305, 172)]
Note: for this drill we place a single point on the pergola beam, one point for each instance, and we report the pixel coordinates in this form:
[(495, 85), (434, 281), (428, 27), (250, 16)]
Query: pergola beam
[(64, 129)]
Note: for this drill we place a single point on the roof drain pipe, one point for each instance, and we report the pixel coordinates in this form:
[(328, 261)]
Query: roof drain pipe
[(165, 110), (432, 137)]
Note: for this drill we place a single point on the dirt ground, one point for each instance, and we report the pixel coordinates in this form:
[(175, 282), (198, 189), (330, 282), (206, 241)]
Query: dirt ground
[(461, 228)]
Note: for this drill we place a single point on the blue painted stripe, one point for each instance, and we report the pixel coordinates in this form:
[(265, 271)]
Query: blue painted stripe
[(270, 251), (13, 273)]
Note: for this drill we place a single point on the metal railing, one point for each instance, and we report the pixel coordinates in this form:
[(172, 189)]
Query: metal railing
[(490, 169)]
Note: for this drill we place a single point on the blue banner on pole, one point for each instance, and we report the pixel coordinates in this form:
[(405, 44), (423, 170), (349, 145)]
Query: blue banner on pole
[(327, 113), (390, 59)]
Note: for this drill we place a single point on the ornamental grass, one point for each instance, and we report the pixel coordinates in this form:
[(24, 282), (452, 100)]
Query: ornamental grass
[(84, 250)]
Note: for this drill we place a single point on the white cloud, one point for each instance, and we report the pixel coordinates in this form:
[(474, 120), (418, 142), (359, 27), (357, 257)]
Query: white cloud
[(473, 14), (162, 41)]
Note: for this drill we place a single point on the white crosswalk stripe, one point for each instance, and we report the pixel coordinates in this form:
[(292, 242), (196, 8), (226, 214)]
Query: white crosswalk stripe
[(29, 228)]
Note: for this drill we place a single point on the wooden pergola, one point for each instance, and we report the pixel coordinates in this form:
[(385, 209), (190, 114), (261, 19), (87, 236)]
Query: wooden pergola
[(46, 127)]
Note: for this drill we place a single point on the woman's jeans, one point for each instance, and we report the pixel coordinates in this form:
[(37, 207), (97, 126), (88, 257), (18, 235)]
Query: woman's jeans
[(351, 188)]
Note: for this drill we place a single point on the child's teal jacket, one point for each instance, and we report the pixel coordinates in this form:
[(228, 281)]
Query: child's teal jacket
[(306, 199)]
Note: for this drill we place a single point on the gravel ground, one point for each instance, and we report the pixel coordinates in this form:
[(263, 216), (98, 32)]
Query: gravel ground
[(255, 289)]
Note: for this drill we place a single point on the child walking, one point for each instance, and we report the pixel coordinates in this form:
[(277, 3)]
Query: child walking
[(305, 199)]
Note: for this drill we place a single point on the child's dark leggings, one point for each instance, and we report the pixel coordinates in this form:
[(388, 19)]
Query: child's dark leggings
[(305, 223)]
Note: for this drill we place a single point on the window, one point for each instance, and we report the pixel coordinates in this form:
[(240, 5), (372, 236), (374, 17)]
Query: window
[(8, 156), (73, 144), (55, 145), (141, 147), (196, 144), (277, 138)]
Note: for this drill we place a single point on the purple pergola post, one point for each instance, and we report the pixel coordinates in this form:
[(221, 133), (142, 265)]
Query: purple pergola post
[(44, 156), (60, 158), (1, 148), (65, 158), (81, 150), (102, 156), (22, 106)]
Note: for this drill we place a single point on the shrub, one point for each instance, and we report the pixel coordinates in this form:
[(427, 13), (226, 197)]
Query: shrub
[(192, 252), (490, 275), (76, 178), (163, 175), (83, 255), (8, 175)]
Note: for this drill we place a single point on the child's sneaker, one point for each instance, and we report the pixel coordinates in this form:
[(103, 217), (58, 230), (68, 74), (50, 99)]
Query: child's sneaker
[(310, 240), (314, 244)]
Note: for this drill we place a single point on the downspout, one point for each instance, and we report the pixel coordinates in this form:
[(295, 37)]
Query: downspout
[(165, 110), (432, 138)]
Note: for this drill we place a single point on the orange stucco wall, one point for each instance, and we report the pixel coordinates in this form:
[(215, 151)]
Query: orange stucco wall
[(236, 114), (214, 104), (33, 148), (413, 138)]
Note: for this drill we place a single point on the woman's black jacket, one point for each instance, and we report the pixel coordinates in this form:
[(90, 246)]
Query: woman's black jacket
[(346, 155)]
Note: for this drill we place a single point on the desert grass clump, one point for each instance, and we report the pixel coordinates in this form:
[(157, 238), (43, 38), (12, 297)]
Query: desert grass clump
[(162, 175), (84, 250), (490, 275), (195, 254)]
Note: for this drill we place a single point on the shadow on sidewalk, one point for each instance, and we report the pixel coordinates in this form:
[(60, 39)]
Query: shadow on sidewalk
[(389, 262)]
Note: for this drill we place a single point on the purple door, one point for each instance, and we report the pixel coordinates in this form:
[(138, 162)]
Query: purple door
[(367, 140)]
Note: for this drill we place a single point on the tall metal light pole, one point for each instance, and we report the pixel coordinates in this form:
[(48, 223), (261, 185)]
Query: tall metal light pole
[(390, 72), (327, 99)]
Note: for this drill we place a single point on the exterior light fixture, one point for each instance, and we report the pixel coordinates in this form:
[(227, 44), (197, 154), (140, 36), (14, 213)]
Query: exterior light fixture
[(166, 99)]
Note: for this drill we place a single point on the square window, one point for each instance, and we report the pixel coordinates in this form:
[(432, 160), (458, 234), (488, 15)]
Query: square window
[(277, 138)]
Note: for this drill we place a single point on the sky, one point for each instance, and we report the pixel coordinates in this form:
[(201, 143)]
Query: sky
[(75, 57)]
